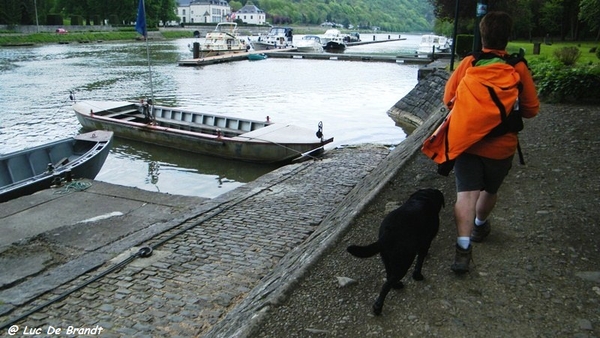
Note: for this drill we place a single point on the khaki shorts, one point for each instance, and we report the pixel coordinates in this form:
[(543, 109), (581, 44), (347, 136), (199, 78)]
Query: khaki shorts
[(474, 172)]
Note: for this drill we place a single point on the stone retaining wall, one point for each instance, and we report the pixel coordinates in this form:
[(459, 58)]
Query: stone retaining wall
[(413, 109)]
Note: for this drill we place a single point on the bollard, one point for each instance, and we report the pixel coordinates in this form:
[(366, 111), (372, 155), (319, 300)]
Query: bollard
[(196, 50), (373, 37)]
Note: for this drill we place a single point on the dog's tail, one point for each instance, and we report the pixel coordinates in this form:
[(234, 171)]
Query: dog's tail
[(364, 251)]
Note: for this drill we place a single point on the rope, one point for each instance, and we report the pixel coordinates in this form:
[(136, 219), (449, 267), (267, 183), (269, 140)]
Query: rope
[(73, 186)]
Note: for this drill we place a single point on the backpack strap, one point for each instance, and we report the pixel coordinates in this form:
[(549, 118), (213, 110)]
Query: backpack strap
[(511, 59)]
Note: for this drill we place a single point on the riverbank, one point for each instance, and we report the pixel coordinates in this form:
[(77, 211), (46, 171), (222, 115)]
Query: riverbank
[(537, 275)]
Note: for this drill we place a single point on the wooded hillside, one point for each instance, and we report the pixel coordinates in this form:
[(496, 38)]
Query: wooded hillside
[(389, 15)]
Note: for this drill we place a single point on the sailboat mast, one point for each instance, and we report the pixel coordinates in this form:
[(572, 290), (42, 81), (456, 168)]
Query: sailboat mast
[(148, 57), (141, 21)]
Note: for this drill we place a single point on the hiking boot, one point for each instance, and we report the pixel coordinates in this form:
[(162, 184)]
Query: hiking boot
[(462, 259), (479, 233)]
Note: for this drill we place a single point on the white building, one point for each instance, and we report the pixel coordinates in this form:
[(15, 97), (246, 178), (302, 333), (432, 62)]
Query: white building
[(251, 14), (203, 11)]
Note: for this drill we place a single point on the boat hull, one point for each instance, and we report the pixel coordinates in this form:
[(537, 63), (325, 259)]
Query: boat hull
[(26, 172), (256, 56), (266, 143), (333, 46), (259, 45)]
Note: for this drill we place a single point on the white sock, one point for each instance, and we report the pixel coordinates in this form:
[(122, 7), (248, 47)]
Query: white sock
[(479, 222), (463, 242)]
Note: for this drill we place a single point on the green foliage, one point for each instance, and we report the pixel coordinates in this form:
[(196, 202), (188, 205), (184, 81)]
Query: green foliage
[(568, 56), (564, 19), (443, 27), (598, 52), (389, 15), (589, 12), (558, 83)]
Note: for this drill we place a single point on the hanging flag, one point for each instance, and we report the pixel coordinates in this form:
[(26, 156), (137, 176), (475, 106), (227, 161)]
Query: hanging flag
[(140, 22)]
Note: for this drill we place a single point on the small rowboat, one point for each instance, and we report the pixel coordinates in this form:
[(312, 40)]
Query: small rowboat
[(27, 171), (209, 134), (257, 56)]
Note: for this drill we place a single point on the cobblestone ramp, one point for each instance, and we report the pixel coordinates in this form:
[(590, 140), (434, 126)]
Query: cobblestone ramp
[(202, 269)]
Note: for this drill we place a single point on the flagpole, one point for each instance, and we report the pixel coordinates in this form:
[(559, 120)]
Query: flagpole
[(141, 25)]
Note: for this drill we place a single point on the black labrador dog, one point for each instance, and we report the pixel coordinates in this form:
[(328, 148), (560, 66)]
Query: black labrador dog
[(404, 233)]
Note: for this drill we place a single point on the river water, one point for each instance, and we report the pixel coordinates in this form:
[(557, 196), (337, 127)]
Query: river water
[(350, 98)]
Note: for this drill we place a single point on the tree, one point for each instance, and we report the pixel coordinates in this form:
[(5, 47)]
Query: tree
[(524, 20), (551, 15), (166, 11), (10, 12), (589, 12)]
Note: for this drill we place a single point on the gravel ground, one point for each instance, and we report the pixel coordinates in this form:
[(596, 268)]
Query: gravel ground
[(537, 274)]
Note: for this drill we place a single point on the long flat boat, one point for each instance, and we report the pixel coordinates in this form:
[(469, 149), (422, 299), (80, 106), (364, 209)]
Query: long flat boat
[(30, 170), (209, 134)]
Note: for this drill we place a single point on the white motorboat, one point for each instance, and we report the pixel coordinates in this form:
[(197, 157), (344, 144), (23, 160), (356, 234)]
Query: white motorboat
[(310, 44), (433, 44), (224, 39), (278, 37), (333, 41)]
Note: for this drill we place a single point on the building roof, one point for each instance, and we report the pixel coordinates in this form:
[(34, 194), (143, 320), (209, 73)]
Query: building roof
[(187, 3), (250, 9)]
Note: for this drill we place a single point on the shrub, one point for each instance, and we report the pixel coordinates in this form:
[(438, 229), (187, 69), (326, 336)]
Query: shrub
[(568, 56), (558, 83)]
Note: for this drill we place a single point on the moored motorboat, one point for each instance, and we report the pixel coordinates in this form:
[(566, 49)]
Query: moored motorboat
[(27, 171), (333, 41), (310, 44), (277, 38), (224, 39), (210, 134), (433, 44)]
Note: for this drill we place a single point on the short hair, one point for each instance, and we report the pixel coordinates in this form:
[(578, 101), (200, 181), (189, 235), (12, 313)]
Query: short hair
[(495, 29)]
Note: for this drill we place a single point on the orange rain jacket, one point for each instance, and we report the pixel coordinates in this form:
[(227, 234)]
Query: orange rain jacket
[(471, 120)]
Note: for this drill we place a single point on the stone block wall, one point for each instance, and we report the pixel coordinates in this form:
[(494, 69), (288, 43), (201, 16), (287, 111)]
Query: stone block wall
[(413, 109)]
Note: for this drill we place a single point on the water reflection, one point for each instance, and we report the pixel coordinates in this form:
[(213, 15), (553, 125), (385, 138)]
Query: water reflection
[(167, 170)]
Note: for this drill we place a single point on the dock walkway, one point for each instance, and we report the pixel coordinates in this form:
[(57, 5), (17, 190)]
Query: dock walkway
[(293, 53)]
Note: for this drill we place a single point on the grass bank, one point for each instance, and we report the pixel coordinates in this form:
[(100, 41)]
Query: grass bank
[(81, 37), (547, 50)]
